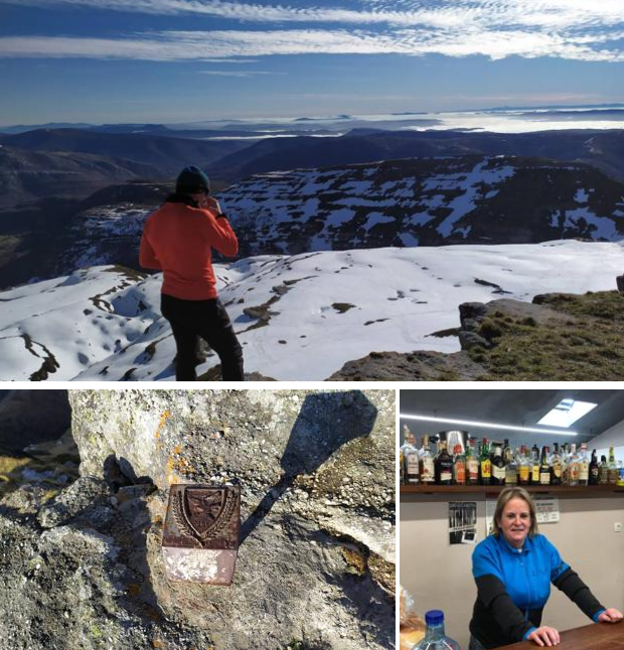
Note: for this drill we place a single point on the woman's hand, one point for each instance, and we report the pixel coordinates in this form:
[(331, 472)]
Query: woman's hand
[(545, 636), (212, 204), (610, 616)]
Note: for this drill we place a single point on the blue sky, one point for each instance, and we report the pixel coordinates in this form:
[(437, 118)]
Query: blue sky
[(186, 60)]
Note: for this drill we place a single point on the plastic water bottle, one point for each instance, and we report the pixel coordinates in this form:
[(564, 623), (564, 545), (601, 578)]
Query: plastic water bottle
[(435, 638)]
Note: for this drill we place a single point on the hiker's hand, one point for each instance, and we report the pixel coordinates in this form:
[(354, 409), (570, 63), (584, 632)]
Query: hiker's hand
[(610, 616), (545, 636), (213, 204)]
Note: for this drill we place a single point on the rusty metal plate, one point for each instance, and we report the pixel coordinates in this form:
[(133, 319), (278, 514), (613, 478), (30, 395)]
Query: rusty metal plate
[(200, 539), (202, 516)]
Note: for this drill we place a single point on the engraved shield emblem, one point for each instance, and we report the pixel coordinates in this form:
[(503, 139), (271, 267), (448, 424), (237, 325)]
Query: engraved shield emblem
[(203, 508)]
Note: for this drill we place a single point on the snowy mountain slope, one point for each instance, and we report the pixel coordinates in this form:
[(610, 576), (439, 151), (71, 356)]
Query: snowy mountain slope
[(105, 235), (427, 201), (57, 328), (298, 317), (424, 201)]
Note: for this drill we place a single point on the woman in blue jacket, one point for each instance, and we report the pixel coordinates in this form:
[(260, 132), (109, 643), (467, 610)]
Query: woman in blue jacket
[(513, 568)]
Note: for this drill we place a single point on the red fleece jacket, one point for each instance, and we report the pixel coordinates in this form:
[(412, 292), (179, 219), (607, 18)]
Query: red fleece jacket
[(178, 239)]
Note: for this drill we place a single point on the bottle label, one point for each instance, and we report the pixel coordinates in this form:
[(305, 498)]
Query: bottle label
[(460, 473), (486, 468), (473, 469), (498, 472), (544, 478), (584, 473), (427, 473), (557, 470), (535, 474), (524, 473), (574, 472), (412, 464)]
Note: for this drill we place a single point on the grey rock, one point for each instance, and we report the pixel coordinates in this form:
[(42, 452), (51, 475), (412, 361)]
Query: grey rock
[(410, 366), (310, 541), (471, 311), (470, 340), (32, 416), (68, 588), (83, 497)]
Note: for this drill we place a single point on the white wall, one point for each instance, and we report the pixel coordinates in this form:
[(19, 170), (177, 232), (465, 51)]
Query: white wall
[(439, 575), (611, 437)]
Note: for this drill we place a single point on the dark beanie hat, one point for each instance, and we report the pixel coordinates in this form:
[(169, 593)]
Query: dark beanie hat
[(192, 180)]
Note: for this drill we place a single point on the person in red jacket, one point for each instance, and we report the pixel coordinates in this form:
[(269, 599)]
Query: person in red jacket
[(178, 239)]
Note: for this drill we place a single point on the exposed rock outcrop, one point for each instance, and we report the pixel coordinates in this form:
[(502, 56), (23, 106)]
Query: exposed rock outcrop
[(81, 565), (413, 366), (557, 336)]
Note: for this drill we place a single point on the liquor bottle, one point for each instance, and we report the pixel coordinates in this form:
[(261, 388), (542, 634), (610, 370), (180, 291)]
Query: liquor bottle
[(507, 452), (498, 465), (535, 465), (472, 465), (511, 470), (555, 463), (620, 482), (485, 464), (427, 470), (443, 466), (594, 469), (574, 466), (583, 466), (435, 639), (401, 468), (565, 455), (613, 469), (524, 467), (412, 464), (402, 452), (459, 466), (604, 470), (544, 473)]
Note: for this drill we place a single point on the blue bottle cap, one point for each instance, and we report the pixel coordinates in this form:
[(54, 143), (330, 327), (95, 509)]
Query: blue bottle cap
[(434, 617)]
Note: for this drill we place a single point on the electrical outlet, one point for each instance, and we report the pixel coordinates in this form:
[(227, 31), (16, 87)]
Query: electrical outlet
[(617, 527)]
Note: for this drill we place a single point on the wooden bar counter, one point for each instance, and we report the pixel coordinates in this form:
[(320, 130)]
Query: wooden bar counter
[(596, 636)]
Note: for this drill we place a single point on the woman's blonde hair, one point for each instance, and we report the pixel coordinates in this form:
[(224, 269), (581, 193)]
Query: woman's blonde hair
[(504, 498)]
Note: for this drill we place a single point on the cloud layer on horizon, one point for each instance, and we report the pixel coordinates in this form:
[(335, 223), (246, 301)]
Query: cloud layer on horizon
[(567, 29)]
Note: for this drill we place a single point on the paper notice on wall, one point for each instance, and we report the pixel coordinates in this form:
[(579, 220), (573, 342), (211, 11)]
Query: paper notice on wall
[(547, 509), (463, 522)]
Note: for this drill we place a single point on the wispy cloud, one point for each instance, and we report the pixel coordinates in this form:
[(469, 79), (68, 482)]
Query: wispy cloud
[(568, 29), (434, 13), (238, 73)]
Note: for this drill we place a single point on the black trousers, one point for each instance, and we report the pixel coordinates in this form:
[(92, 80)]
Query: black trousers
[(206, 319)]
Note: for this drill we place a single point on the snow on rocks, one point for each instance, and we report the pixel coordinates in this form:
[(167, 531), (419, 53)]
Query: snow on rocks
[(290, 311)]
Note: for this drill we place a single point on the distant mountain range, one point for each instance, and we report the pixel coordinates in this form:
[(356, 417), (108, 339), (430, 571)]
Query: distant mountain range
[(26, 175), (74, 162), (425, 201), (410, 202), (601, 149)]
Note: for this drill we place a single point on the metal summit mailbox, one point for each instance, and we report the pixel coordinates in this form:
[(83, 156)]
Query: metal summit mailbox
[(200, 539)]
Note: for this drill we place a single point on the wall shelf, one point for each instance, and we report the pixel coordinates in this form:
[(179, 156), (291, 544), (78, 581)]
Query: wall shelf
[(563, 490)]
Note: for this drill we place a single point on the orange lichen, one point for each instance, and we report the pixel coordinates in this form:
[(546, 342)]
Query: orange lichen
[(177, 467), (161, 424)]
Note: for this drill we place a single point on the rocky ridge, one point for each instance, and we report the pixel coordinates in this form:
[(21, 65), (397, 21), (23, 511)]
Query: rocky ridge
[(555, 336), (424, 202)]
